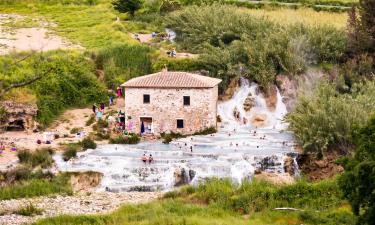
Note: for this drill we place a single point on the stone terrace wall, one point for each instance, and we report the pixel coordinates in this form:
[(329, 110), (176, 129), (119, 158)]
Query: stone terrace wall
[(166, 106)]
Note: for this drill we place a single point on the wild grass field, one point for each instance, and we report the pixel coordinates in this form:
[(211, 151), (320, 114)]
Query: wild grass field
[(91, 26), (221, 202), (94, 26), (304, 16)]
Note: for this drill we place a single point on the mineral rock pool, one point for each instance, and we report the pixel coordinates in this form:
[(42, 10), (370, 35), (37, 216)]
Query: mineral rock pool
[(235, 151)]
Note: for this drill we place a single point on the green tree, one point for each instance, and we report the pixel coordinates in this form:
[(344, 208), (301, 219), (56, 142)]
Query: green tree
[(361, 28), (127, 6), (358, 181)]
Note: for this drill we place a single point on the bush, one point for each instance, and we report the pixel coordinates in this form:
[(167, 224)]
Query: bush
[(36, 187), (22, 173), (87, 143), (29, 210), (206, 131), (325, 120), (168, 137), (358, 181), (123, 62), (125, 139), (222, 36), (40, 157), (177, 64), (75, 130), (69, 153), (90, 121), (71, 83)]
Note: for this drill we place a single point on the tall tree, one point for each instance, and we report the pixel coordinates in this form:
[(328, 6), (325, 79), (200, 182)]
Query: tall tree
[(127, 6), (358, 181), (361, 28)]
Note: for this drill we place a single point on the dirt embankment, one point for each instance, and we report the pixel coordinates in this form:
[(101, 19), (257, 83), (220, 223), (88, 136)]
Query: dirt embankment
[(319, 169)]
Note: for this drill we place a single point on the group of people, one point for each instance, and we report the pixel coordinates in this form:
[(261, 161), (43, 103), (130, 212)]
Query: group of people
[(13, 147), (146, 159)]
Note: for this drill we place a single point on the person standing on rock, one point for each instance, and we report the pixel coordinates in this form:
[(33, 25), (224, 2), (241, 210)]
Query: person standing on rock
[(94, 108)]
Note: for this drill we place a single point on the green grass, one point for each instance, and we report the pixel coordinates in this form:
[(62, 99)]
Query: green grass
[(92, 26), (41, 157), (36, 187), (29, 210), (221, 202)]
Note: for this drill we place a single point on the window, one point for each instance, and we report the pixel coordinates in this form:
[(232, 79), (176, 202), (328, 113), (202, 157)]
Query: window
[(186, 100), (180, 123), (146, 99)]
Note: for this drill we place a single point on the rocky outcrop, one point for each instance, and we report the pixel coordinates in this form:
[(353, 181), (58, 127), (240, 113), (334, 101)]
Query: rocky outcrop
[(85, 181), (259, 120), (248, 103), (232, 88), (183, 176), (18, 116), (236, 113), (275, 178), (292, 87), (270, 95), (289, 166), (315, 169)]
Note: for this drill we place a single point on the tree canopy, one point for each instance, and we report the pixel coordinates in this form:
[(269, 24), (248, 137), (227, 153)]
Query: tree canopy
[(127, 6)]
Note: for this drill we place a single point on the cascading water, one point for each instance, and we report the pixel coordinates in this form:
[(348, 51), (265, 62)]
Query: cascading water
[(234, 152)]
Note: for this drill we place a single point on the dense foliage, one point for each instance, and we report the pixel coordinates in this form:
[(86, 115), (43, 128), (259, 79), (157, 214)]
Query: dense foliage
[(127, 6), (41, 157), (358, 181), (68, 80), (222, 202), (325, 120), (232, 42), (123, 62)]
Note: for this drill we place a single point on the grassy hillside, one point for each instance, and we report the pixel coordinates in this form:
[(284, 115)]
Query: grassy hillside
[(221, 202), (92, 26)]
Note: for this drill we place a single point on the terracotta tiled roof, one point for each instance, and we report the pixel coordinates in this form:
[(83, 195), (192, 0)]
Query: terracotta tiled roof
[(169, 79)]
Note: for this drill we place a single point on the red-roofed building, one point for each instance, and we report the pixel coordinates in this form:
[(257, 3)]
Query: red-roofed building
[(171, 101)]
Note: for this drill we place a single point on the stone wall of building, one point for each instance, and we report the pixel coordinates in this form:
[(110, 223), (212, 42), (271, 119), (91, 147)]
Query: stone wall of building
[(166, 106)]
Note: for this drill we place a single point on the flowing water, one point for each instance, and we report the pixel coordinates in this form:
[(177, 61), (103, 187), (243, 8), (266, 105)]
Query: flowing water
[(236, 151)]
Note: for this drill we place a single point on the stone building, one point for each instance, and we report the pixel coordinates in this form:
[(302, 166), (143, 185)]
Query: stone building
[(171, 101)]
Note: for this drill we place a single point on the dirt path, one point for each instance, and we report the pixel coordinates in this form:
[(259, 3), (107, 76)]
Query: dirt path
[(37, 38)]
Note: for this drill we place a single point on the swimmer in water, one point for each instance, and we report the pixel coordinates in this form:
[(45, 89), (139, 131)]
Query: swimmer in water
[(191, 148), (144, 158)]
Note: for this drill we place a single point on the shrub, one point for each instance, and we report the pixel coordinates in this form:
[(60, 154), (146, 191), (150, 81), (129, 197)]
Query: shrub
[(40, 157), (206, 131), (177, 64), (358, 181), (123, 62), (168, 137), (29, 210), (90, 121), (125, 139), (36, 187), (232, 42), (69, 153), (75, 130), (326, 119), (87, 143)]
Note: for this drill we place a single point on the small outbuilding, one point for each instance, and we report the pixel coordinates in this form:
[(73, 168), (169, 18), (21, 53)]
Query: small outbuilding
[(171, 101)]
